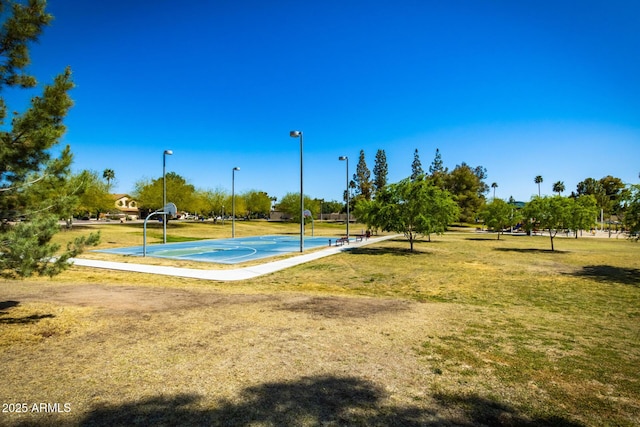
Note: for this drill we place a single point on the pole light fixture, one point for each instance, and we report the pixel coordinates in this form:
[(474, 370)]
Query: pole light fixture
[(298, 134), (345, 158), (164, 193), (233, 201)]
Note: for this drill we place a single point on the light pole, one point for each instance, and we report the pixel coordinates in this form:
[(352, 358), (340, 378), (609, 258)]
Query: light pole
[(164, 193), (345, 158), (233, 201), (298, 134)]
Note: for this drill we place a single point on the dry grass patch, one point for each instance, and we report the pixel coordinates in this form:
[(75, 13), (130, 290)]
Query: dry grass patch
[(35, 322)]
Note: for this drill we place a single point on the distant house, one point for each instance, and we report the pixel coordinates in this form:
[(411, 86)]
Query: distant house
[(126, 207)]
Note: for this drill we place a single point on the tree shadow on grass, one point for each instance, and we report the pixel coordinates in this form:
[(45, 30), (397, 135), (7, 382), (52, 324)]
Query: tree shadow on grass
[(482, 239), (386, 251), (609, 273), (483, 411), (5, 305), (530, 250), (315, 401), (405, 250)]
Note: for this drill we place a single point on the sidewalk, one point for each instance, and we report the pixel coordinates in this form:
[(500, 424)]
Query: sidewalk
[(225, 275)]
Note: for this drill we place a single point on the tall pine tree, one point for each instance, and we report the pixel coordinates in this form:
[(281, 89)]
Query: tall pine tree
[(30, 178), (380, 170), (362, 178), (416, 167), (436, 166), (437, 171)]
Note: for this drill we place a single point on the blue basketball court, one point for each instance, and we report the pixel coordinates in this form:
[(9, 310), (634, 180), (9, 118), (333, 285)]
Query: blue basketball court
[(225, 251)]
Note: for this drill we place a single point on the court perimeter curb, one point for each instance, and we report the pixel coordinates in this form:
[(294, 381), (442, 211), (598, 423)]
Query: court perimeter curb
[(225, 275)]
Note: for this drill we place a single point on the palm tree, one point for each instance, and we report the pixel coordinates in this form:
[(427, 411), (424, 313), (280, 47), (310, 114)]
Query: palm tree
[(558, 187), (494, 186), (538, 181), (109, 175)]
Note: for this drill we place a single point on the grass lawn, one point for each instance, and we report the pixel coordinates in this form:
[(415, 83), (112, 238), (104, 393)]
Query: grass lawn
[(468, 330)]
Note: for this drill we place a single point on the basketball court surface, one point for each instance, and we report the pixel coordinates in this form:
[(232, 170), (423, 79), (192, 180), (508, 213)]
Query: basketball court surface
[(225, 251)]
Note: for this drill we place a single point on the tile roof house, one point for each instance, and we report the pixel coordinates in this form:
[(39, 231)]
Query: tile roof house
[(127, 206)]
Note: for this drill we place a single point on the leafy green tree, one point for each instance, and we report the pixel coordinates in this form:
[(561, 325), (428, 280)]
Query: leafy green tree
[(593, 187), (241, 206), (332, 206), (467, 186), (210, 202), (583, 213), (380, 170), (362, 179), (28, 170), (588, 186), (615, 193), (290, 204), (257, 203), (148, 193), (90, 195), (497, 215), (631, 219), (610, 192), (179, 191), (549, 213), (366, 211), (414, 208), (416, 167)]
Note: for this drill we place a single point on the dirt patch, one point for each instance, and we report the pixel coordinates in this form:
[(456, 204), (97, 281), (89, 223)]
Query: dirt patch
[(343, 307), (135, 299)]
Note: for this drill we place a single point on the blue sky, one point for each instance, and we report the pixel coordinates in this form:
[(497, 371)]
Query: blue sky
[(523, 88)]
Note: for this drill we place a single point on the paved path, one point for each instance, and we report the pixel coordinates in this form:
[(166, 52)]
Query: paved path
[(225, 275)]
